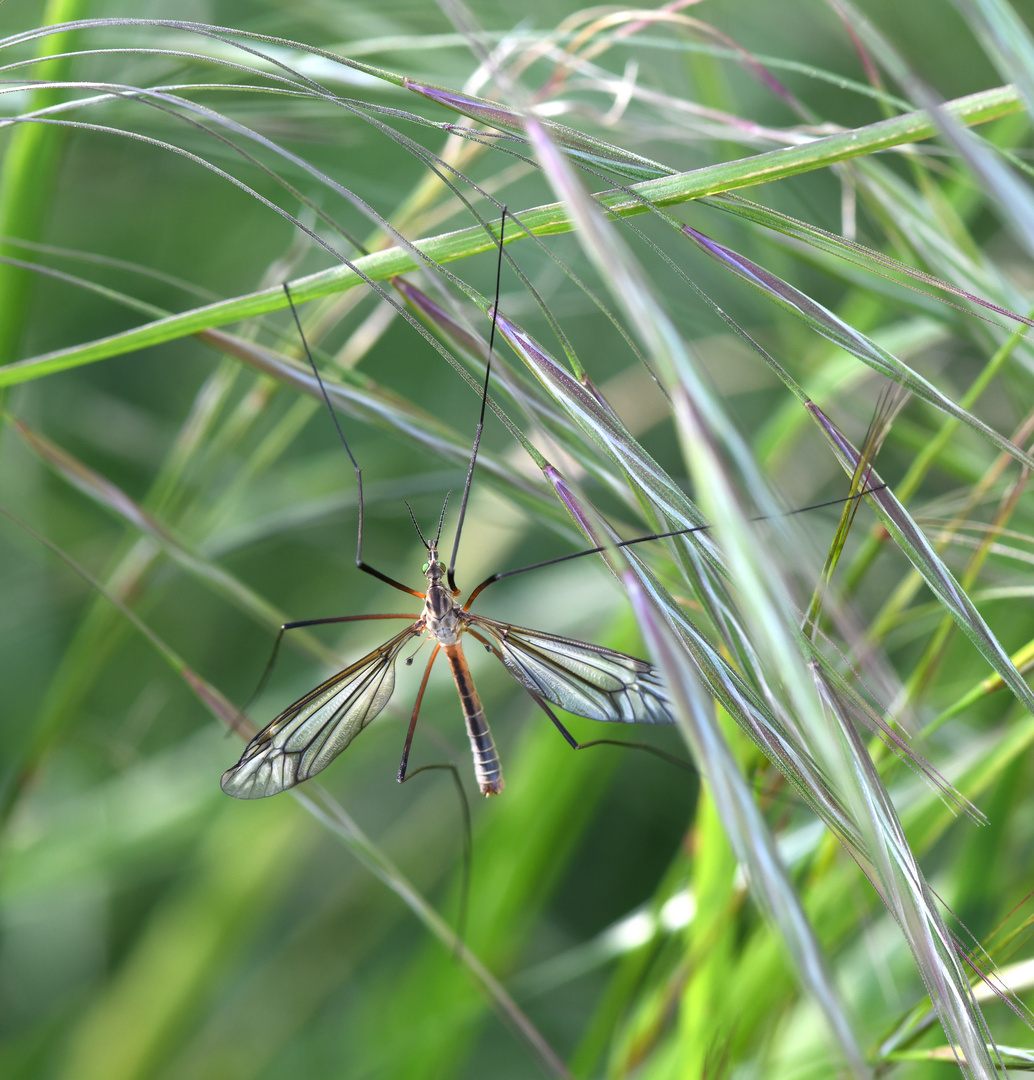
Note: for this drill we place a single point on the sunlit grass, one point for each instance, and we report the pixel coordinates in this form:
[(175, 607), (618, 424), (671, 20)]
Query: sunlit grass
[(689, 357)]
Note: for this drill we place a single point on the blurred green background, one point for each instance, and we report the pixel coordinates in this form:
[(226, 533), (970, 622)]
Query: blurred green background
[(152, 927)]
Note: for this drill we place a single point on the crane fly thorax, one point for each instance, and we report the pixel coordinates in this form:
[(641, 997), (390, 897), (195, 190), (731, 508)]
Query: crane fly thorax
[(443, 617)]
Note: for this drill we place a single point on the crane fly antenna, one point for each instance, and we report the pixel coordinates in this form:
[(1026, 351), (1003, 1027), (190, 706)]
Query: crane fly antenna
[(438, 534), (365, 567), (416, 525), (441, 521), (451, 574)]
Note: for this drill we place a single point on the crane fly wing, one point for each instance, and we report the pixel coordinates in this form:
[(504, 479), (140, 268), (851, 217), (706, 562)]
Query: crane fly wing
[(308, 735), (585, 679)]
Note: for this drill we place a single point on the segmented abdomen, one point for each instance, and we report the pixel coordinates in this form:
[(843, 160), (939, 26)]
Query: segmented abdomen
[(487, 768)]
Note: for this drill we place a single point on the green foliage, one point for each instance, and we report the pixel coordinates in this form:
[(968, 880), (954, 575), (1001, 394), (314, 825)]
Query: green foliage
[(853, 849)]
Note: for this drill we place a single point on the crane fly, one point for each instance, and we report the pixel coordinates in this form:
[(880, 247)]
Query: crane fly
[(585, 679)]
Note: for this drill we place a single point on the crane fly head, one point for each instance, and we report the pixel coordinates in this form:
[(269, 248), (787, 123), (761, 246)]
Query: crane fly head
[(433, 570)]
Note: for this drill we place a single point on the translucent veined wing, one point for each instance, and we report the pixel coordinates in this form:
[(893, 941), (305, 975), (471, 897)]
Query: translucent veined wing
[(308, 735), (585, 679)]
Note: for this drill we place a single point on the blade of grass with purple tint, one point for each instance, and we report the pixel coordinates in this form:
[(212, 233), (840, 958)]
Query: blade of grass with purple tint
[(833, 329)]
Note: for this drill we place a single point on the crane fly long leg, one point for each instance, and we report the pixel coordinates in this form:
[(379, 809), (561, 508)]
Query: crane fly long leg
[(451, 572), (416, 712), (309, 734), (347, 618), (271, 662), (656, 536), (671, 759), (487, 767), (364, 566)]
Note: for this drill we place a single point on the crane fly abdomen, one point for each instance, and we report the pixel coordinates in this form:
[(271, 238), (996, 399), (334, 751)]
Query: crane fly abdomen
[(487, 767)]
